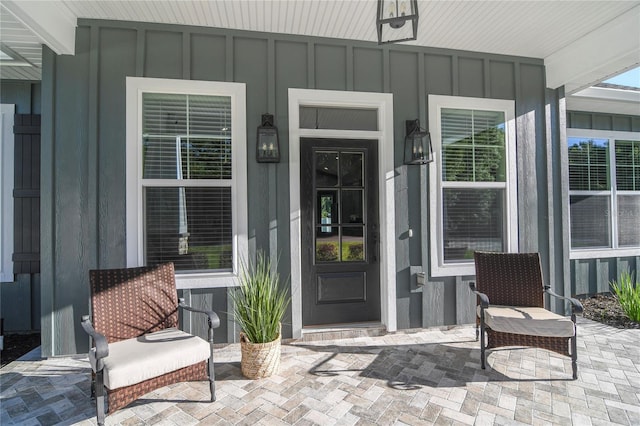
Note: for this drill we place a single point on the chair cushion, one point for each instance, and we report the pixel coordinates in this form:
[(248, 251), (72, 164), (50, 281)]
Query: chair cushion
[(530, 321), (151, 355)]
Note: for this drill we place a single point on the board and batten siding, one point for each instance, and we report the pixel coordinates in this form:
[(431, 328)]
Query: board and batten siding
[(85, 128), (591, 276)]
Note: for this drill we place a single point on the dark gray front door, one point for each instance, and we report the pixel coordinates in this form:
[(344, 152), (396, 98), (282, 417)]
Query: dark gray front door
[(340, 231)]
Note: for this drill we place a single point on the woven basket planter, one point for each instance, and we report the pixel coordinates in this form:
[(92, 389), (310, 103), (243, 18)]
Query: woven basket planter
[(259, 360)]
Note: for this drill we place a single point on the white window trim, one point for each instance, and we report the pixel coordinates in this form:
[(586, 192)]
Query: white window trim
[(135, 220), (601, 253), (436, 103), (7, 112), (383, 103)]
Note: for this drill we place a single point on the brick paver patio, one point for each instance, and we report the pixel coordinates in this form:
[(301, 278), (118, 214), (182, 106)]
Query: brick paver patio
[(414, 378)]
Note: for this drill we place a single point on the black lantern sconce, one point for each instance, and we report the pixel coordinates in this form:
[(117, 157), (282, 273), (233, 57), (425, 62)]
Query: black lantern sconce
[(417, 144), (268, 146), (391, 20)]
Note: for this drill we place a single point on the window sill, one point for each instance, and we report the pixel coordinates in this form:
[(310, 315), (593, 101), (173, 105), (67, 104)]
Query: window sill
[(453, 270), (194, 281), (603, 253)]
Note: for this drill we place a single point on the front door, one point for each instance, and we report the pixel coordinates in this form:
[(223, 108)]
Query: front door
[(340, 231)]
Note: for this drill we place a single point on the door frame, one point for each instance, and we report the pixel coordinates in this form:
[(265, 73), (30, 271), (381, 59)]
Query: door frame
[(383, 103)]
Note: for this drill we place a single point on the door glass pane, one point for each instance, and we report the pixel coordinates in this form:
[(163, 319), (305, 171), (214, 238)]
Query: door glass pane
[(326, 169), (351, 169), (191, 227), (327, 205), (473, 220), (353, 244), (352, 206), (590, 219), (327, 244)]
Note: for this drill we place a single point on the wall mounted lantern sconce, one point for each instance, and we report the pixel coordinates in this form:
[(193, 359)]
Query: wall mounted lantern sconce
[(268, 146), (417, 144), (392, 17)]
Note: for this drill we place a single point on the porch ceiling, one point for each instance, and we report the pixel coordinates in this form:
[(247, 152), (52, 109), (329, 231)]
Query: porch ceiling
[(582, 42)]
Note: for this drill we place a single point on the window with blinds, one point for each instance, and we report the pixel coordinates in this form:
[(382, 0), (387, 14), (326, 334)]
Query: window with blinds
[(473, 154), (604, 192), (187, 181), (627, 154)]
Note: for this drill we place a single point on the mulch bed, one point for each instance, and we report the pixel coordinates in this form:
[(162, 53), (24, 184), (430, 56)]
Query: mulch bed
[(606, 309)]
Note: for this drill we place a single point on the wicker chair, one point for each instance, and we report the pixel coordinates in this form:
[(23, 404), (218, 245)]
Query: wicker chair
[(511, 306), (136, 343)]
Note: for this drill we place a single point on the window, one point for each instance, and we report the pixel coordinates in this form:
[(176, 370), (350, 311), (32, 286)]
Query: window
[(186, 178), (472, 182), (604, 193)]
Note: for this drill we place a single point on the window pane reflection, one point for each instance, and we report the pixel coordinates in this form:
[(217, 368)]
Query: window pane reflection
[(327, 244), (326, 169), (353, 244)]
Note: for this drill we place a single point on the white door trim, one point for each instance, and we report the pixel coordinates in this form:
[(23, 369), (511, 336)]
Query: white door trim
[(383, 103)]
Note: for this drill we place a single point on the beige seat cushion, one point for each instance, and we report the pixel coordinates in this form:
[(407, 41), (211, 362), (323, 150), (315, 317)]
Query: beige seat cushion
[(527, 320), (136, 360)]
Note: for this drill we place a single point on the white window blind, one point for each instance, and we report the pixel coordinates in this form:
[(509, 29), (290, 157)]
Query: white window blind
[(473, 151), (186, 138)]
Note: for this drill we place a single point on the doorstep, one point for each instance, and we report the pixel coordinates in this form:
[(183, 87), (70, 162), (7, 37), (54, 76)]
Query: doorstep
[(342, 331)]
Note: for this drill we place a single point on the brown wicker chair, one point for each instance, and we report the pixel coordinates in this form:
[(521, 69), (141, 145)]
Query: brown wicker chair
[(136, 343), (511, 310)]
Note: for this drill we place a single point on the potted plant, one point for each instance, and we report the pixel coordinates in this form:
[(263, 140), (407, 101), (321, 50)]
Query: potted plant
[(259, 305)]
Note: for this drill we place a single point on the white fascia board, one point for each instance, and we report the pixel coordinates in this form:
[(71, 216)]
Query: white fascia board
[(601, 53), (606, 100), (51, 21)]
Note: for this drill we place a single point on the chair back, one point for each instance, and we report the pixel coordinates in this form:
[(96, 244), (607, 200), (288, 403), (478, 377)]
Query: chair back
[(130, 302), (511, 279)]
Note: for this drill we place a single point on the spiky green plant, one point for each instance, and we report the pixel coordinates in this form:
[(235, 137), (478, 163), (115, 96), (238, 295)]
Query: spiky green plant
[(260, 301), (627, 291)]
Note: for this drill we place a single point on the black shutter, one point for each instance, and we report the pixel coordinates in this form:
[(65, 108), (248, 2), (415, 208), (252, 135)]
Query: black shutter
[(26, 194)]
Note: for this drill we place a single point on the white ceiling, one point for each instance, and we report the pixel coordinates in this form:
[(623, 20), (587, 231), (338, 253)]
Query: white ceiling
[(582, 42)]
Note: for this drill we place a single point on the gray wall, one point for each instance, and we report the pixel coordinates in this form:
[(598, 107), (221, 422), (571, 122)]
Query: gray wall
[(590, 276), (20, 300), (84, 148), (24, 94)]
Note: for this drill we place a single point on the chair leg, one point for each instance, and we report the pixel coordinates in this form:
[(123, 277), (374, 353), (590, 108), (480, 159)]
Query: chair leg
[(210, 370), (212, 379), (99, 389), (574, 355), (477, 332), (482, 342)]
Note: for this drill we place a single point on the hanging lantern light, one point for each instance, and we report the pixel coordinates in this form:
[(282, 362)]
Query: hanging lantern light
[(417, 144), (392, 17), (267, 146)]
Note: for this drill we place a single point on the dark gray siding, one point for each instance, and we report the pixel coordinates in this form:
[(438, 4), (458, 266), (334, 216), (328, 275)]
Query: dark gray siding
[(591, 276), (84, 175)]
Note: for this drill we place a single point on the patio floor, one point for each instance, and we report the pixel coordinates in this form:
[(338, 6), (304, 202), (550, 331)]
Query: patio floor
[(416, 378)]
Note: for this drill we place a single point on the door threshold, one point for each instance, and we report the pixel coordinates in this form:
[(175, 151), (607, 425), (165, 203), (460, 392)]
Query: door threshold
[(343, 331)]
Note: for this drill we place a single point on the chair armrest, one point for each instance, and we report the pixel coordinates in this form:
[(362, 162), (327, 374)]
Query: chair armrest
[(99, 340), (575, 303), (484, 299), (214, 320)]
